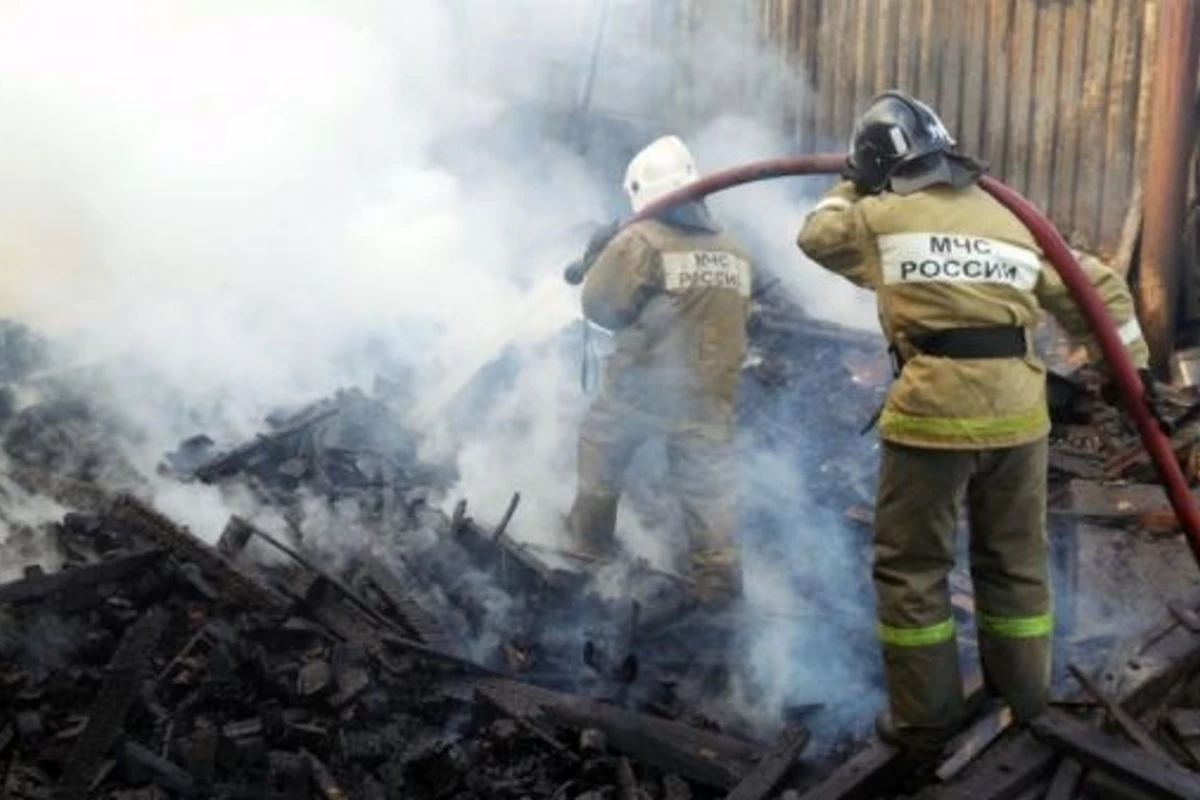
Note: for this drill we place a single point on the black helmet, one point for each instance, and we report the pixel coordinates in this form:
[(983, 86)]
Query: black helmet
[(895, 131)]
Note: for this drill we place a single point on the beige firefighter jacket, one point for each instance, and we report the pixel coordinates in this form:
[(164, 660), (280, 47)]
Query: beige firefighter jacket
[(947, 258), (676, 299)]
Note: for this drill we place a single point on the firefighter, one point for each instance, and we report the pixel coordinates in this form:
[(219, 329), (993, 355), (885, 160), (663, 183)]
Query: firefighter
[(674, 290), (959, 283)]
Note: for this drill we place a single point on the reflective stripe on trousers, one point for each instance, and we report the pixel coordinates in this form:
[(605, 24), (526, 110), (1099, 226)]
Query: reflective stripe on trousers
[(1016, 627), (917, 637), (920, 493)]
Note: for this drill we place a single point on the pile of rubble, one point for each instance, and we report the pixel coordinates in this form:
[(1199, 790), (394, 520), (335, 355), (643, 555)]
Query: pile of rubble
[(153, 660), (431, 654)]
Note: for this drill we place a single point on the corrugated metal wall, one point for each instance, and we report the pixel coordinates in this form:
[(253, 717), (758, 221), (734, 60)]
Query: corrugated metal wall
[(1050, 92)]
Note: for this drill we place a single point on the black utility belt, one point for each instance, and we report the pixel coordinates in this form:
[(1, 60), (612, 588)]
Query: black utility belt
[(989, 341)]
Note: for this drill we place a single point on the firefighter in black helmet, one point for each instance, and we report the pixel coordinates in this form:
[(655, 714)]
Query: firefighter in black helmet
[(900, 144), (960, 282)]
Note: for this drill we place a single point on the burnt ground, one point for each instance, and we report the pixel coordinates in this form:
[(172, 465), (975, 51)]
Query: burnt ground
[(351, 635)]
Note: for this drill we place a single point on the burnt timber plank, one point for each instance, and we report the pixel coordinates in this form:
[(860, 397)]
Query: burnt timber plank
[(348, 622), (247, 455), (976, 739), (854, 775), (873, 761), (1086, 744), (774, 765), (138, 518), (1112, 502), (704, 757), (129, 664), (234, 538), (1104, 786), (1138, 675), (1141, 680), (1141, 505), (1071, 776), (392, 582), (1185, 722), (514, 559), (1066, 779), (1131, 727), (1075, 464), (1003, 772), (525, 714), (40, 586)]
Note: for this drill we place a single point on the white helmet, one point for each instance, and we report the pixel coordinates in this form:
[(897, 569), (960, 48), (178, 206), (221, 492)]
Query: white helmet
[(662, 167)]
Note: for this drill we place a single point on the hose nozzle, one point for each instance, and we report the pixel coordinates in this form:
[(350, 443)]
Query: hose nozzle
[(575, 272)]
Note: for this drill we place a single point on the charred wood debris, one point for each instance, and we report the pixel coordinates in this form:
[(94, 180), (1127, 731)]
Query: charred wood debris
[(437, 655)]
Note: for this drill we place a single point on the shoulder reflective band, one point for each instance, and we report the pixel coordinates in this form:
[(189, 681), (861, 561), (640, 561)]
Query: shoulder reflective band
[(838, 203), (964, 427), (917, 637), (1130, 332), (1017, 627)]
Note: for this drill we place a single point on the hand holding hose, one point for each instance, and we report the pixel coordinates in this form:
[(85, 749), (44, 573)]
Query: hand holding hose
[(575, 272), (1150, 395), (1060, 256)]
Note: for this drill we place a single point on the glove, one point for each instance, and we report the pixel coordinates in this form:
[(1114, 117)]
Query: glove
[(601, 236), (1154, 401), (848, 172), (575, 272)]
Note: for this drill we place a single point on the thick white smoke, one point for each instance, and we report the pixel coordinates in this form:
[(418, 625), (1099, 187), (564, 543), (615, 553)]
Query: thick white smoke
[(253, 203), (238, 195)]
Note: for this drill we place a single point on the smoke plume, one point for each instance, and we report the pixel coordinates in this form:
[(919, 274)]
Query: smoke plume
[(238, 207)]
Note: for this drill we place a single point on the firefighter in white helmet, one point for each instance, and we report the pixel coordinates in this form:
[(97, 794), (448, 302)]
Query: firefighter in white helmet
[(675, 292)]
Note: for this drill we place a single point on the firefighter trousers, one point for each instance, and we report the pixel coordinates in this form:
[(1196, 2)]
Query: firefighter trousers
[(920, 493), (700, 460)]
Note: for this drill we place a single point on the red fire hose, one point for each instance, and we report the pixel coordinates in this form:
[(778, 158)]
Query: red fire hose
[(1057, 252)]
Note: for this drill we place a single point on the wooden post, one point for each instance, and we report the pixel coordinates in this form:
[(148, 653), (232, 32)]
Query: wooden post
[(1171, 137)]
